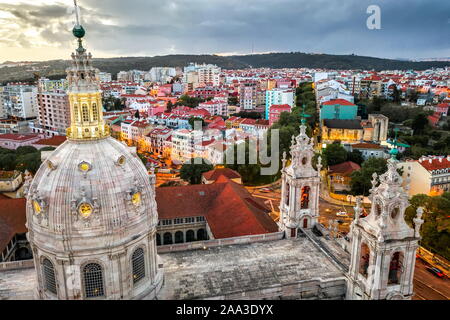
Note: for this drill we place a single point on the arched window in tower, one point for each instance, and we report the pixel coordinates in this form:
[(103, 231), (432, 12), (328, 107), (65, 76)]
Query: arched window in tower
[(94, 112), (48, 272), (395, 268), (304, 198), (138, 264), (93, 280), (288, 193), (364, 260), (85, 113)]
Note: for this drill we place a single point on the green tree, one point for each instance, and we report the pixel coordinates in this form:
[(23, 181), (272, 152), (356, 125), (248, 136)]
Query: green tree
[(28, 161), (7, 161), (419, 123), (361, 180), (192, 172), (25, 150), (192, 121), (169, 106), (355, 156), (435, 231), (334, 154), (396, 95)]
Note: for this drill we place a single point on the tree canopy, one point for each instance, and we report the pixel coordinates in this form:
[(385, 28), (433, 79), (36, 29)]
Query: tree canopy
[(435, 231), (361, 180), (192, 172)]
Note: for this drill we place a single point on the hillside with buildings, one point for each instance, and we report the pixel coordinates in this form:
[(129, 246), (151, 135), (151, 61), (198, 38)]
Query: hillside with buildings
[(56, 68)]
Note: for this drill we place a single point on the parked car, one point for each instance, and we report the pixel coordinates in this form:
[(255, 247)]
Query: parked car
[(341, 214), (264, 190), (436, 272), (340, 221)]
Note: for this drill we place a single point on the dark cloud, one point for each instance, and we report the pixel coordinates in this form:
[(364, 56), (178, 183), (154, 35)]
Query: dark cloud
[(410, 28)]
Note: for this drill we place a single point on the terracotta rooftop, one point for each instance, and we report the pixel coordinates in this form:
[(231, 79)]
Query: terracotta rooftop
[(341, 102), (436, 163), (53, 141), (228, 207), (12, 219), (216, 173), (345, 168), (366, 145)]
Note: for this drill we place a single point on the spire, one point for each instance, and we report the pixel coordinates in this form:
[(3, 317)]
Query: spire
[(84, 92)]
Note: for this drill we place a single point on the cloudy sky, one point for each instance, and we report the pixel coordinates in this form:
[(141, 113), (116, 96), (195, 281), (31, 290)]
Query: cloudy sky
[(40, 29)]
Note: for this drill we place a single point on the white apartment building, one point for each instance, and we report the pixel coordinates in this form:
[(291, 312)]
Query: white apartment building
[(183, 144), (196, 75), (53, 113), (20, 100), (216, 106), (279, 96), (161, 74), (248, 95), (105, 77), (429, 175)]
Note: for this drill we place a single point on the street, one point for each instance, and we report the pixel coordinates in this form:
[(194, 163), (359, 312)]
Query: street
[(427, 286)]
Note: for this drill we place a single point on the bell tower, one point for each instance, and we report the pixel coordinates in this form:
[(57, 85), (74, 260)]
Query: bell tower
[(300, 188), (383, 248), (84, 93)]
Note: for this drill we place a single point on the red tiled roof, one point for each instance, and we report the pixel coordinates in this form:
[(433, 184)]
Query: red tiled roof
[(341, 102), (366, 145), (344, 168), (216, 173), (12, 219), (18, 137), (436, 164), (53, 141), (228, 207)]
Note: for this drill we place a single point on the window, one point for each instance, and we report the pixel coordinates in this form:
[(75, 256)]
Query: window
[(189, 220), (48, 272), (200, 219), (364, 260), (304, 200), (138, 264), (75, 111), (395, 268), (166, 222), (85, 113), (94, 112), (93, 280), (178, 221)]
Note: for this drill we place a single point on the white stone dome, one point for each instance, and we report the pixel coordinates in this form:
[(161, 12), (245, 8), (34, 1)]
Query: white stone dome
[(93, 200)]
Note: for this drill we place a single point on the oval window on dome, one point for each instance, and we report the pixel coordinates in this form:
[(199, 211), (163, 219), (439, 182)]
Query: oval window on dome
[(304, 160), (84, 166), (37, 207), (121, 161), (136, 198), (85, 210), (50, 165)]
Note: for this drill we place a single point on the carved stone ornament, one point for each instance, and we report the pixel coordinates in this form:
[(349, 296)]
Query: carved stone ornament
[(85, 210), (40, 208), (135, 196)]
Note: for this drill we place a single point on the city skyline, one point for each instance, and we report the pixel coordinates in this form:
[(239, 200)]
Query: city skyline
[(37, 30)]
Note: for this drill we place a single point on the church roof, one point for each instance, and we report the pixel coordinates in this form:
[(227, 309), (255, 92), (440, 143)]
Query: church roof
[(216, 173), (228, 207), (342, 124)]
